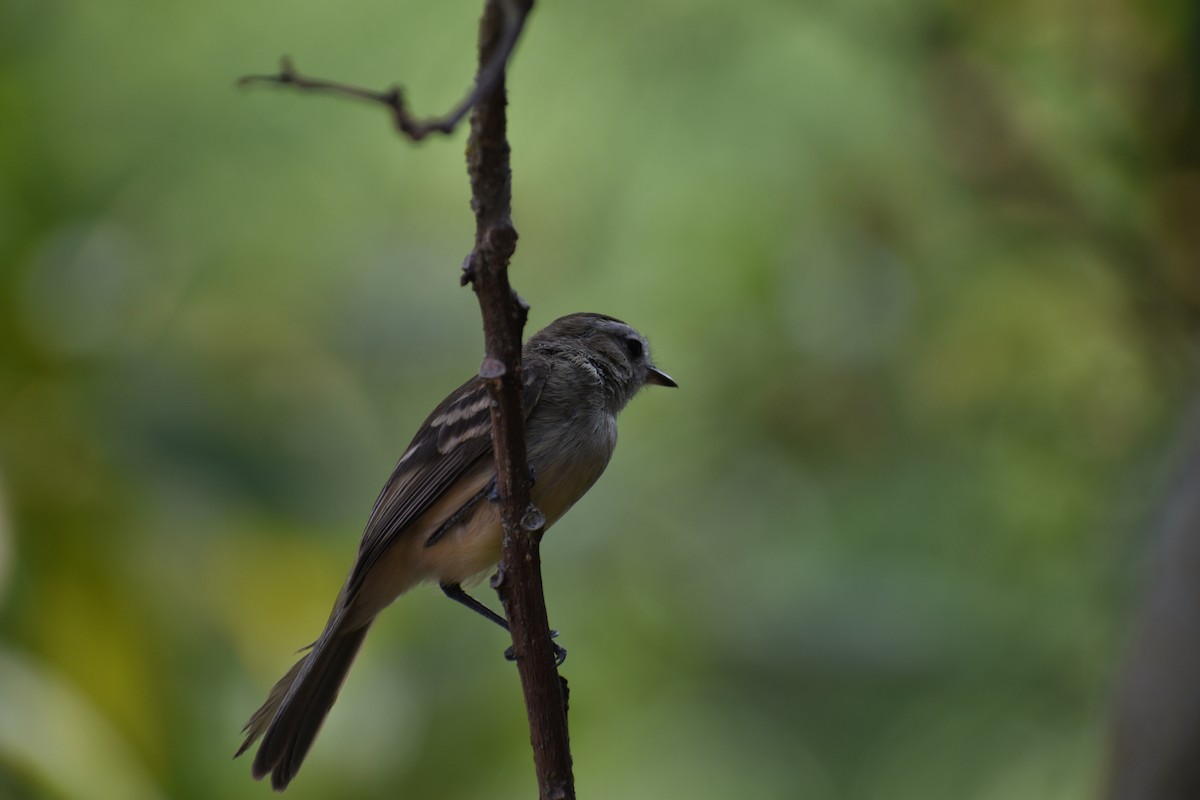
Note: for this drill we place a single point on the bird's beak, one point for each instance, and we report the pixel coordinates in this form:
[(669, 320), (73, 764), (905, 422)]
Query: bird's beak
[(657, 377)]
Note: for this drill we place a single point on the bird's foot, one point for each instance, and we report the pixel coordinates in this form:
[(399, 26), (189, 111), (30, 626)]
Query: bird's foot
[(560, 653)]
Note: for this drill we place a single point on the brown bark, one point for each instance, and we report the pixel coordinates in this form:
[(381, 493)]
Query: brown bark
[(518, 580), (1156, 730)]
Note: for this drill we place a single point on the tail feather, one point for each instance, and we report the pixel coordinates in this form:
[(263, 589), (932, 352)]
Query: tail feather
[(290, 718)]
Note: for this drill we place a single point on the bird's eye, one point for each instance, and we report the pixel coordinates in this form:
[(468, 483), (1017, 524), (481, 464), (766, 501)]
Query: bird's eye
[(635, 347)]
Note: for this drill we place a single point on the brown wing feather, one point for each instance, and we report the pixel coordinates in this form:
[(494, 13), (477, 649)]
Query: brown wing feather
[(451, 440)]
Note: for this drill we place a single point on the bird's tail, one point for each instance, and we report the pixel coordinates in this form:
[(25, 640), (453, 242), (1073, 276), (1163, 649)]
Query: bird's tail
[(292, 715)]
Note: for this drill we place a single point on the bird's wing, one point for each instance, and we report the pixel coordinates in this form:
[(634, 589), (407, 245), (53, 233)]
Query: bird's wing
[(455, 437)]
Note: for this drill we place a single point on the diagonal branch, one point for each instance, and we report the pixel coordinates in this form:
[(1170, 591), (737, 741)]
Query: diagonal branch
[(513, 15)]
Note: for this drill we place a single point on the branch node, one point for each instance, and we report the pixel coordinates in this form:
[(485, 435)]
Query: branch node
[(534, 520), (497, 580), (468, 269), (500, 239), (522, 306), (492, 369)]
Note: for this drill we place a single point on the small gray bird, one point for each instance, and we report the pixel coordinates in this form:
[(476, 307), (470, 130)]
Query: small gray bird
[(437, 520)]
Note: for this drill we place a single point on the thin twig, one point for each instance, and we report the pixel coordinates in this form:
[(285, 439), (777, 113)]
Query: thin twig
[(393, 99)]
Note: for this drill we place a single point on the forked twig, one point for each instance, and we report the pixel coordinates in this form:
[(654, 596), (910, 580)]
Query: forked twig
[(514, 15)]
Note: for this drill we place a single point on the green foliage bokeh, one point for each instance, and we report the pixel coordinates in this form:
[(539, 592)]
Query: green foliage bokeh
[(921, 271)]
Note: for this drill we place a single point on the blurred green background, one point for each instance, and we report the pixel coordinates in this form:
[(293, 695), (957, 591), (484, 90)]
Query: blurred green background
[(925, 273)]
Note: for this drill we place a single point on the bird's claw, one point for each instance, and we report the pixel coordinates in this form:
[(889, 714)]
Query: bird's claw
[(494, 491), (560, 652)]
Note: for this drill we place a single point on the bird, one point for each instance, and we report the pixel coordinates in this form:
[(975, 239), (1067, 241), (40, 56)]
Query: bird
[(437, 518)]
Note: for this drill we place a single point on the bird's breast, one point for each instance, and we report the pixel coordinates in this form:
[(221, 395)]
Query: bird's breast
[(568, 461)]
